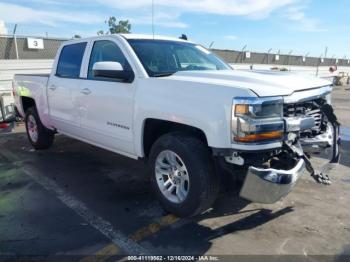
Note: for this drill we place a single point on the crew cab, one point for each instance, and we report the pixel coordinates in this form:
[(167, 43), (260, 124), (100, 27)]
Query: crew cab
[(186, 112)]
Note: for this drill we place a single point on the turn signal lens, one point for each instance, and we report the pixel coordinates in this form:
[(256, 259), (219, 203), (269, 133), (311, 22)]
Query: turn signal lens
[(241, 109), (258, 137)]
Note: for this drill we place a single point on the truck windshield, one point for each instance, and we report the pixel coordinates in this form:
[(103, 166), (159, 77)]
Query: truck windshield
[(163, 58)]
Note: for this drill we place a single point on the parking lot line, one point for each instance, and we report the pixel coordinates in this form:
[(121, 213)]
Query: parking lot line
[(153, 228), (105, 227), (108, 251)]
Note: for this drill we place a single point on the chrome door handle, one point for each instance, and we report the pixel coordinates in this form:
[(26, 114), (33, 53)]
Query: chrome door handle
[(86, 91), (52, 87)]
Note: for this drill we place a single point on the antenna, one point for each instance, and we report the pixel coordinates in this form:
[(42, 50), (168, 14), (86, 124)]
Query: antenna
[(153, 18)]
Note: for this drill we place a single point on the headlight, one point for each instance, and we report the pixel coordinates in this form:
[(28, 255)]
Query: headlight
[(257, 119)]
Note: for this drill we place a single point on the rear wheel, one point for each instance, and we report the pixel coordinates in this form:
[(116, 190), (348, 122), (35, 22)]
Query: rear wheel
[(39, 136), (183, 175)]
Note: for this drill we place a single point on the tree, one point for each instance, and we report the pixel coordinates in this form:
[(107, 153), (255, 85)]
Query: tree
[(123, 26), (76, 36)]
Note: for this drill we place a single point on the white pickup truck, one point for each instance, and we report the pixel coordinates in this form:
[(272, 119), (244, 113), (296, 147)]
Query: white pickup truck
[(190, 115)]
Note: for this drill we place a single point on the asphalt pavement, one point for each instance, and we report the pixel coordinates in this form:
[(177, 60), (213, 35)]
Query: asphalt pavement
[(82, 202)]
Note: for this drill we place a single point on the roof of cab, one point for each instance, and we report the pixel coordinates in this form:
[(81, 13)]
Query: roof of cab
[(128, 36), (151, 37)]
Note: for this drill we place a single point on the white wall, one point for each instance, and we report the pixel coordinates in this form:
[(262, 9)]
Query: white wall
[(10, 67)]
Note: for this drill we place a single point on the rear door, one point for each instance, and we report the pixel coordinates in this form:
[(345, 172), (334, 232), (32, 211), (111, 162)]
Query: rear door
[(106, 105), (63, 86)]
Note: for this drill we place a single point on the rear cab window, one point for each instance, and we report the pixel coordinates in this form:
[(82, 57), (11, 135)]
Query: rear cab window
[(70, 60)]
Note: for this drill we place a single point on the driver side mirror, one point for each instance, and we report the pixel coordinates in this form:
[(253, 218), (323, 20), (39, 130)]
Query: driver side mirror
[(112, 70)]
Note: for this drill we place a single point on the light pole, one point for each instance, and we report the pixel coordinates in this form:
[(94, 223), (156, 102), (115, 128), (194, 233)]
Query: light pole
[(15, 40), (268, 52), (290, 52), (304, 58), (244, 47)]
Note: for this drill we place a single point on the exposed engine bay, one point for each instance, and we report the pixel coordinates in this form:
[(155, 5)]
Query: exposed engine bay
[(324, 134), (310, 127)]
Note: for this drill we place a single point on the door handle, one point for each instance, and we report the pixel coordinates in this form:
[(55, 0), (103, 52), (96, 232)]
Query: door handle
[(52, 87), (86, 91)]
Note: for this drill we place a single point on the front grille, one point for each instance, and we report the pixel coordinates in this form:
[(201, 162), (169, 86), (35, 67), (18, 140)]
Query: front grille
[(309, 108)]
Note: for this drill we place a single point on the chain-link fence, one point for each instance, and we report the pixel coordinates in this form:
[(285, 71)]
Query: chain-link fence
[(238, 57), (8, 48), (8, 51)]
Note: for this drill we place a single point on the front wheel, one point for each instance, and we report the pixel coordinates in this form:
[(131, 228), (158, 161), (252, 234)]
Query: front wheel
[(39, 136), (183, 175)]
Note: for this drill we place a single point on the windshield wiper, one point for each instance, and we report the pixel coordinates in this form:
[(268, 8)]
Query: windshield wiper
[(164, 74)]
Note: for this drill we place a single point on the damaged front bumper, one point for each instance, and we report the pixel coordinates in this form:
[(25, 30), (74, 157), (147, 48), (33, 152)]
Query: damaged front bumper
[(270, 185), (270, 169)]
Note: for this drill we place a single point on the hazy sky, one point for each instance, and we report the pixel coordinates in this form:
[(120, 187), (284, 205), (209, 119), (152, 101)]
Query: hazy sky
[(301, 26)]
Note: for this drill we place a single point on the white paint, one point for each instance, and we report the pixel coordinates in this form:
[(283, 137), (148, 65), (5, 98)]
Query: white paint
[(37, 86), (35, 43), (158, 37), (100, 224), (113, 114), (8, 68), (107, 66)]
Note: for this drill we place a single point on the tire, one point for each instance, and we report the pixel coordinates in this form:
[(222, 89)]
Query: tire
[(39, 136), (197, 169)]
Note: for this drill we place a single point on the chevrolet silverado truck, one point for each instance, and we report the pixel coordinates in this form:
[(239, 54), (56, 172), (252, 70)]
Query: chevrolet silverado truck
[(187, 113)]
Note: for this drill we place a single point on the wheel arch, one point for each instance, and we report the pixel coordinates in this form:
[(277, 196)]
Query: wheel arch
[(27, 102), (154, 128)]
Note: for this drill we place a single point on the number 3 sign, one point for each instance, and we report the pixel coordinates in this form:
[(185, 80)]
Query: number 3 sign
[(35, 43)]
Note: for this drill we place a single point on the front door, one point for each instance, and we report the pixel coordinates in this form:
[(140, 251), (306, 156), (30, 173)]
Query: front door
[(106, 105)]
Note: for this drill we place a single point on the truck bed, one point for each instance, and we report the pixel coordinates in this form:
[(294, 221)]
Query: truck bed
[(31, 86)]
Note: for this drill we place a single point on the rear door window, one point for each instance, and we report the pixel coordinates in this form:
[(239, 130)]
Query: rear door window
[(70, 60)]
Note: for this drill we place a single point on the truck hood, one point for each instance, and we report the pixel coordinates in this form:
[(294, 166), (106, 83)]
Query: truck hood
[(262, 83)]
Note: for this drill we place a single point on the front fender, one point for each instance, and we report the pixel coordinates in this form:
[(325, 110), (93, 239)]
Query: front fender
[(204, 106)]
